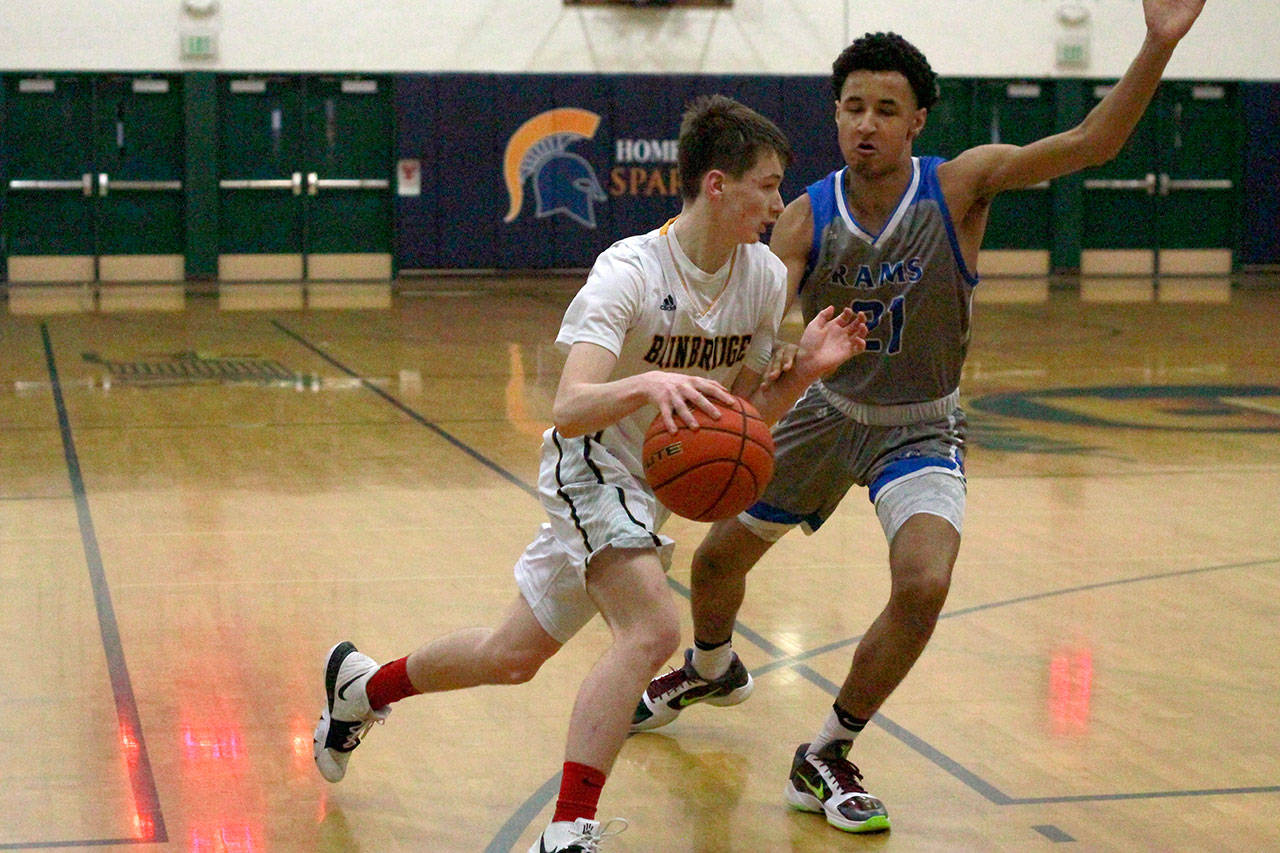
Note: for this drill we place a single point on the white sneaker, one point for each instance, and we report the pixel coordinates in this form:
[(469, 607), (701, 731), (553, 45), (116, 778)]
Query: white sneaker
[(347, 715), (578, 836)]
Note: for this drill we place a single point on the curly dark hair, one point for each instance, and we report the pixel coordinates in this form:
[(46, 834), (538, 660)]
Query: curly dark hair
[(887, 52), (717, 132)]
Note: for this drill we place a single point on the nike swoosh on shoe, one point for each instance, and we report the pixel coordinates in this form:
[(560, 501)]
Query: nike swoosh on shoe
[(342, 691)]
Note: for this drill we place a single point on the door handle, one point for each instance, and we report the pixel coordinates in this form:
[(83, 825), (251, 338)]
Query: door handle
[(85, 184), (105, 185), (146, 186), (294, 183), (1147, 184), (348, 184), (1168, 184)]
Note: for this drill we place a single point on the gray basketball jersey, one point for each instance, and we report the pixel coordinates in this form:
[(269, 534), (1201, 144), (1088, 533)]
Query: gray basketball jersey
[(909, 280)]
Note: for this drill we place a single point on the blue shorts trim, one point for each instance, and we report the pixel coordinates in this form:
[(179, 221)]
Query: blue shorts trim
[(910, 465), (766, 512)]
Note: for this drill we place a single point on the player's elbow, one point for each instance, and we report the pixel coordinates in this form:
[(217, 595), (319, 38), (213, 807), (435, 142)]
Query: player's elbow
[(1093, 148), (1103, 153), (568, 428), (567, 420)]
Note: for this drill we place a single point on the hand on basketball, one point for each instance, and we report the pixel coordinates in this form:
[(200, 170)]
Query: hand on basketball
[(830, 340), (677, 395)]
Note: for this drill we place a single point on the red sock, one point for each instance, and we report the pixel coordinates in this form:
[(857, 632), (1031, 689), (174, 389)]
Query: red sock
[(390, 684), (580, 788)]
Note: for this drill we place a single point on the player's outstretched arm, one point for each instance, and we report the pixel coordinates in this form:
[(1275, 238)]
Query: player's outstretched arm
[(980, 173)]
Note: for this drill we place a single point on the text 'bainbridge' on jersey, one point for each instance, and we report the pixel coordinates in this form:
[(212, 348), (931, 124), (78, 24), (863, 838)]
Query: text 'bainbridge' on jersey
[(679, 351)]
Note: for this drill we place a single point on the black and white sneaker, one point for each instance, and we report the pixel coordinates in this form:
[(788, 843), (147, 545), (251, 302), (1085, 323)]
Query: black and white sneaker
[(347, 715), (576, 836)]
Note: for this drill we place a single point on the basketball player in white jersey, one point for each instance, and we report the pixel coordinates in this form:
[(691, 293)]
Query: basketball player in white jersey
[(897, 237), (667, 322)]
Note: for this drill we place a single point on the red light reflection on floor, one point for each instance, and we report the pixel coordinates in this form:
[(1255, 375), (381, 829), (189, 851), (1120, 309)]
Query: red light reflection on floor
[(1070, 686), (220, 807), (144, 827), (144, 823), (224, 838), (208, 743), (301, 732)]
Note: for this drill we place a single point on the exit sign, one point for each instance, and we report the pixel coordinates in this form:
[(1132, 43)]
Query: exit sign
[(199, 44), (1073, 51)]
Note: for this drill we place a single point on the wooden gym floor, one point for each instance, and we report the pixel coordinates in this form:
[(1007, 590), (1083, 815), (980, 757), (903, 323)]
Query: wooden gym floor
[(199, 495)]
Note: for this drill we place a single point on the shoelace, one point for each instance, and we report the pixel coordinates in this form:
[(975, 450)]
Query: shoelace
[(355, 735), (847, 776), (674, 681), (590, 842)]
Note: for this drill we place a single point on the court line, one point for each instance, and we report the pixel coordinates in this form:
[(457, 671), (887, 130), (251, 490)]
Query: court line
[(510, 831), (95, 842), (456, 442), (955, 768), (146, 799)]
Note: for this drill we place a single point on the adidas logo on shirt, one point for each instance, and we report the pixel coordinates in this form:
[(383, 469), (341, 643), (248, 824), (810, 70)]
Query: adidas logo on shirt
[(668, 304)]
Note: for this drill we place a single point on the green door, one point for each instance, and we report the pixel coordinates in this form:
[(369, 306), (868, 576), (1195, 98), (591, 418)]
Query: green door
[(1166, 203), (1017, 112), (347, 150), (304, 178), (260, 178), (49, 224), (1118, 230), (1198, 176), (139, 162), (94, 178)]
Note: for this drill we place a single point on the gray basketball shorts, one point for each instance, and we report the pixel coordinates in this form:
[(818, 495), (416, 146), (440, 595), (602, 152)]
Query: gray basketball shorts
[(592, 502), (821, 453)]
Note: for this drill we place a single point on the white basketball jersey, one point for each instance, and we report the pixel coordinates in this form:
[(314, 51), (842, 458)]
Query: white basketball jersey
[(647, 303)]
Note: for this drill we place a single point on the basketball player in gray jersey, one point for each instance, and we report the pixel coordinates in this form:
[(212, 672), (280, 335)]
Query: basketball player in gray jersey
[(896, 237)]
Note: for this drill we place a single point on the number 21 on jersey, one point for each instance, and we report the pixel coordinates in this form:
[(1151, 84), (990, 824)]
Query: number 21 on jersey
[(875, 310)]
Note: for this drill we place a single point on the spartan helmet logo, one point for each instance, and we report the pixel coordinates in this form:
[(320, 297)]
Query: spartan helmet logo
[(563, 182)]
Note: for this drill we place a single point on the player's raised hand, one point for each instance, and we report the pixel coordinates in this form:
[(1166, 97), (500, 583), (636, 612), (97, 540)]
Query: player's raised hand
[(782, 360), (1169, 20), (830, 340)]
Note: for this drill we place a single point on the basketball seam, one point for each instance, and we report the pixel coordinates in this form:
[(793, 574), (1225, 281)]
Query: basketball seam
[(683, 471), (737, 462)]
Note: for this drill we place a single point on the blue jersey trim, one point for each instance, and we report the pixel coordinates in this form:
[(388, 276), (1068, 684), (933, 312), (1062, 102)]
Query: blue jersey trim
[(822, 203), (930, 188), (911, 464)]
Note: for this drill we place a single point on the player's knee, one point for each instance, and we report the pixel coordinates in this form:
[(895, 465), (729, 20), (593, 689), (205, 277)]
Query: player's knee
[(656, 644), (516, 666), (664, 643), (920, 595), (717, 562)]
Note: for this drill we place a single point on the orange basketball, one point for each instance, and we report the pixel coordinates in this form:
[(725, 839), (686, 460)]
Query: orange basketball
[(715, 471)]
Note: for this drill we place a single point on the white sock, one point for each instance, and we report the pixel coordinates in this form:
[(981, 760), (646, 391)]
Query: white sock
[(833, 730), (714, 663)]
